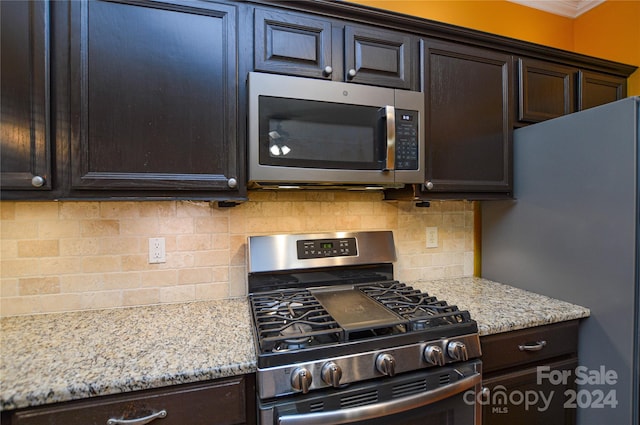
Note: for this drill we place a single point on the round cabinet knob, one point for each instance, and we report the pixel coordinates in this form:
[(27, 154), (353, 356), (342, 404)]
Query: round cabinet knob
[(327, 71), (386, 364), (331, 374), (434, 355), (457, 351), (428, 185), (301, 380), (37, 181), (232, 182), (351, 73)]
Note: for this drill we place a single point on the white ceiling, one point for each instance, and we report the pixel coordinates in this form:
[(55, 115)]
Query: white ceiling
[(568, 8)]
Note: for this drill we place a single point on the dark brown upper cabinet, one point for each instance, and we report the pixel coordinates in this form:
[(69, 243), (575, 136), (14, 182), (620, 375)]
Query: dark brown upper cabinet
[(596, 89), (469, 120), (153, 99), (311, 46), (545, 90), (24, 119)]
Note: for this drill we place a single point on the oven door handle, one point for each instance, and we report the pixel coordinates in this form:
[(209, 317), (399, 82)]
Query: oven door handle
[(378, 410)]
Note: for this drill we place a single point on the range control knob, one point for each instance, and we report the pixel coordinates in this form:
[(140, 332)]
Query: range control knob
[(386, 364), (331, 374), (434, 355), (301, 379), (457, 351)]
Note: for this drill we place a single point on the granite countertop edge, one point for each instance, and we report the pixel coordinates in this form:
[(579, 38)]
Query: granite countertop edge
[(60, 357)]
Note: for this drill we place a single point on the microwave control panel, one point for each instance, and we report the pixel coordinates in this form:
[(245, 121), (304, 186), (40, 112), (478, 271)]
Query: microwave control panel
[(406, 140), (323, 248)]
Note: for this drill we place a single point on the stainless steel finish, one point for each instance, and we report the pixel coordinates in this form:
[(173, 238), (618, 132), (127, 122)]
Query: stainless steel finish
[(351, 73), (390, 117), (37, 181), (140, 421), (232, 182), (378, 410), (434, 355), (386, 364), (278, 177), (457, 350), (275, 381), (327, 70), (428, 185), (532, 347), (331, 374), (301, 380), (278, 252)]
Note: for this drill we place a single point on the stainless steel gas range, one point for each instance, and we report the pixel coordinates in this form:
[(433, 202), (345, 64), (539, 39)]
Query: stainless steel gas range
[(340, 341)]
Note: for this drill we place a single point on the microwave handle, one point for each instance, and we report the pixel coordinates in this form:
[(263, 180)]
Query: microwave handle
[(390, 118)]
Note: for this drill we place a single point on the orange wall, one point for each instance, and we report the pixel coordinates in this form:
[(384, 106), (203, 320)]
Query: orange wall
[(609, 31)]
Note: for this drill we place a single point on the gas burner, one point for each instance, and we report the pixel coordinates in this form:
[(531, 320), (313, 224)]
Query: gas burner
[(296, 337)]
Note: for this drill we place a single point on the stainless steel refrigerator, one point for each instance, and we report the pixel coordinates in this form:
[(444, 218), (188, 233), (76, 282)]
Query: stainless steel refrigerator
[(572, 232)]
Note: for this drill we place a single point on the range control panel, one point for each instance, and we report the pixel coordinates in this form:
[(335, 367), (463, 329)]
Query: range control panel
[(323, 248)]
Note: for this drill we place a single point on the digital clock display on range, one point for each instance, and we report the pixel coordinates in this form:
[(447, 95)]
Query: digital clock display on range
[(327, 245)]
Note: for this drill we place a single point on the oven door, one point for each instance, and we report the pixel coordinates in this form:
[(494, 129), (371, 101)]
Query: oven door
[(442, 396)]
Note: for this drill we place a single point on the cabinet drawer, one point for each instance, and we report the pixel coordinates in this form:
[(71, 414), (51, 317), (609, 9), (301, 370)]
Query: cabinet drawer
[(501, 351), (215, 402)]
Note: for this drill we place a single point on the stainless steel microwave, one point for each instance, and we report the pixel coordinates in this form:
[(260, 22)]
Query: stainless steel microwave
[(306, 133)]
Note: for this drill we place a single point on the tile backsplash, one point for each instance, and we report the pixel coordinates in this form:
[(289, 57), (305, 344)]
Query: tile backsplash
[(64, 256)]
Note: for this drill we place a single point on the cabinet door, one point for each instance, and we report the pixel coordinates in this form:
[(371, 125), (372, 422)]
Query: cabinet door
[(294, 44), (469, 119), (153, 96), (518, 398), (596, 89), (24, 74), (380, 57), (546, 90)]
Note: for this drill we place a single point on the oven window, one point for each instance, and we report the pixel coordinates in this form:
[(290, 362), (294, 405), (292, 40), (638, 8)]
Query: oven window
[(312, 134)]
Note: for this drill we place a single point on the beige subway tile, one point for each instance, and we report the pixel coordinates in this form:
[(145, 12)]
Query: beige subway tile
[(454, 270), (39, 285), (119, 209), (453, 219), (155, 278), (360, 208), (157, 209), (290, 224), (453, 245), (176, 225), (136, 262), (432, 273), (420, 260), (55, 229), (9, 287), (7, 210), (79, 246), (18, 230), (321, 224), (125, 280), (211, 258), (177, 260), (197, 275), (142, 296), (120, 245), (149, 226), (18, 306), (36, 211), (60, 265), (101, 299), (102, 263), (237, 282), (193, 209), (238, 250), (349, 222), (84, 282), (98, 227), (8, 249), (211, 291), (214, 224), (220, 274), (194, 242), (260, 225), (220, 241), (237, 222), (38, 248), (174, 294), (469, 263), (19, 267), (79, 210), (261, 196), (61, 302)]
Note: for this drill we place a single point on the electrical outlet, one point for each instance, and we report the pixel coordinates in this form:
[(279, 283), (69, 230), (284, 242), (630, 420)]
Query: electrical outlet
[(157, 252), (432, 237)]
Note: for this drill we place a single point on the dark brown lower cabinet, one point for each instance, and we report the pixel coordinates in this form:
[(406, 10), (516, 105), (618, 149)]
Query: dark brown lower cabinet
[(227, 401), (529, 375)]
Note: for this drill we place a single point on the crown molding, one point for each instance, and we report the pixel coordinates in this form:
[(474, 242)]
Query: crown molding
[(568, 8)]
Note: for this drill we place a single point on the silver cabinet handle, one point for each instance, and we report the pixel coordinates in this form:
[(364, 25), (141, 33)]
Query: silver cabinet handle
[(373, 411), (37, 181), (532, 347), (140, 421)]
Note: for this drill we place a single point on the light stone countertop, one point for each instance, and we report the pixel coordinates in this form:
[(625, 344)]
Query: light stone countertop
[(66, 356)]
